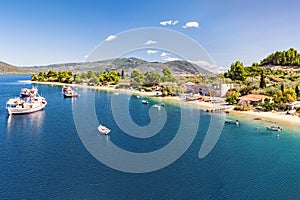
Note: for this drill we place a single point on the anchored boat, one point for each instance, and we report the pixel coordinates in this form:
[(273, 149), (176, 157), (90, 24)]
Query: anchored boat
[(103, 129), (20, 106)]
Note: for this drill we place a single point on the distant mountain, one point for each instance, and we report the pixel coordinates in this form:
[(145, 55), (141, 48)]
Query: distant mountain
[(10, 69), (128, 65)]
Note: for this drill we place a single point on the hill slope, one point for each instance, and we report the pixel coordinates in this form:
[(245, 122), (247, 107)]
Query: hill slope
[(290, 57), (128, 65), (10, 69)]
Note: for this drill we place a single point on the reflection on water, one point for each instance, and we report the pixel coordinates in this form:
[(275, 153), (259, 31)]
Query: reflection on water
[(33, 122)]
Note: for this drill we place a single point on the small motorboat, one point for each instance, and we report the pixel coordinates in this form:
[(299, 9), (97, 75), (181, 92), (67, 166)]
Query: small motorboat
[(157, 106), (145, 102), (103, 129), (71, 94), (230, 121), (162, 104), (274, 128)]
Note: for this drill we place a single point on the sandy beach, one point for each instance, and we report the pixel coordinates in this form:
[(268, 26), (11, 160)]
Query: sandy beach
[(275, 117)]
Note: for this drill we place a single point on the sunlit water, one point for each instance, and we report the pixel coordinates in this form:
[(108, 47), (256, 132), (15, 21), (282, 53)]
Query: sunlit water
[(42, 156)]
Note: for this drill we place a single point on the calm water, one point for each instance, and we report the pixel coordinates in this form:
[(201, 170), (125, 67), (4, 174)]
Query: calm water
[(43, 157)]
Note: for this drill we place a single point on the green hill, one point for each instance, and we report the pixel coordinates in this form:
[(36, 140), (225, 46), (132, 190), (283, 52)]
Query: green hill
[(10, 69), (290, 57), (128, 65)]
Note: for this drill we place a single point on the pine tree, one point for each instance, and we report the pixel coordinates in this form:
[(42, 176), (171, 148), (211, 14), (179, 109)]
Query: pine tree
[(262, 83)]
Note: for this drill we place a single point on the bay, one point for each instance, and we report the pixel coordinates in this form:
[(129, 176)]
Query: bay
[(42, 155)]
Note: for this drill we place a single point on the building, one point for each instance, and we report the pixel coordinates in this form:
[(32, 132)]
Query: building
[(204, 90), (221, 89), (253, 99)]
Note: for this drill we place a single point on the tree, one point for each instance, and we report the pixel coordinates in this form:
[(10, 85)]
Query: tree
[(262, 83), (232, 97), (138, 78), (282, 88), (123, 74), (152, 79), (172, 89), (167, 75), (297, 91), (268, 105), (236, 72), (290, 94)]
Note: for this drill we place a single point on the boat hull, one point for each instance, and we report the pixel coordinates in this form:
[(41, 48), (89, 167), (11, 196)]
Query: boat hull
[(20, 111)]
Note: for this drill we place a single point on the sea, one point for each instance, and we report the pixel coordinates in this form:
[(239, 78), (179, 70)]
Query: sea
[(57, 153)]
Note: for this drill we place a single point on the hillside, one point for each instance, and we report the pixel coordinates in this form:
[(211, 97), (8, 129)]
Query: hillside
[(10, 69), (128, 65), (290, 57)]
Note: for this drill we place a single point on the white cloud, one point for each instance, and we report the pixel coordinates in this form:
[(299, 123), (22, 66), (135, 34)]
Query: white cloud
[(164, 54), (148, 42), (191, 25), (111, 37), (168, 58), (208, 66), (169, 22), (152, 51)]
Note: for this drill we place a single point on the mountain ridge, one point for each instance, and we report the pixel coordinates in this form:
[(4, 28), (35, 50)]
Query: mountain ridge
[(178, 67)]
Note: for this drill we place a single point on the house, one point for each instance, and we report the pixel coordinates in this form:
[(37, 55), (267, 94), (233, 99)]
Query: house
[(197, 89), (253, 99), (204, 90), (221, 89)]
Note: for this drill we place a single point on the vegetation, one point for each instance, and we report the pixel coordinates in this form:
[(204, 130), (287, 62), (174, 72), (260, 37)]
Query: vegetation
[(282, 85), (94, 78), (290, 57)]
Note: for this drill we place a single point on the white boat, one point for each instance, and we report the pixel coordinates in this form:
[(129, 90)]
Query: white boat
[(145, 102), (20, 106), (274, 128), (230, 121), (103, 129)]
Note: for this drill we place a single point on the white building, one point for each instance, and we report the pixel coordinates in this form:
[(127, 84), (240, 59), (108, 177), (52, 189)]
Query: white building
[(220, 89)]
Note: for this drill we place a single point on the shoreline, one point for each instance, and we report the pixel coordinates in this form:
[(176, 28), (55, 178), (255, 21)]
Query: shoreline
[(270, 117)]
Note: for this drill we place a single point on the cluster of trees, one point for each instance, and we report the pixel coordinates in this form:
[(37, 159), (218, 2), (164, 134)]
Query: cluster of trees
[(52, 76), (98, 78), (90, 77), (169, 84), (290, 57)]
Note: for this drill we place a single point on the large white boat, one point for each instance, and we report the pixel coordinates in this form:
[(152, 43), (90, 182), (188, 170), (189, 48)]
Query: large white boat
[(21, 106)]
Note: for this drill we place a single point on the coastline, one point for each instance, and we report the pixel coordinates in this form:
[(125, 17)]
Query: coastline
[(270, 117)]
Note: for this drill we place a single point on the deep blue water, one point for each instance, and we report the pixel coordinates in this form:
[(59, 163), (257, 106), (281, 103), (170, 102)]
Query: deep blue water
[(42, 156)]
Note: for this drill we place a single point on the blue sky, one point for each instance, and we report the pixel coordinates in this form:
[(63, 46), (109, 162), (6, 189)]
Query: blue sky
[(42, 32)]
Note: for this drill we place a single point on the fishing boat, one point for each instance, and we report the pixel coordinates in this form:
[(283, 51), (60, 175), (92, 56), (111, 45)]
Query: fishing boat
[(274, 128), (20, 106), (103, 129), (25, 92), (230, 121)]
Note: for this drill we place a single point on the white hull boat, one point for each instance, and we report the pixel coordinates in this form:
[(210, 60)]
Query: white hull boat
[(19, 106), (103, 130)]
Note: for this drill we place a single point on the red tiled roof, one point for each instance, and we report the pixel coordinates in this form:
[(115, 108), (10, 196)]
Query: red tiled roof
[(277, 79), (253, 97)]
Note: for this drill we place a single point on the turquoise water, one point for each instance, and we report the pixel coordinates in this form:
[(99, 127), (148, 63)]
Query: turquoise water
[(43, 157)]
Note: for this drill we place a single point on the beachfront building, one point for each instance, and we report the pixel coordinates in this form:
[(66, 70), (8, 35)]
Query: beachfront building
[(253, 99), (220, 89)]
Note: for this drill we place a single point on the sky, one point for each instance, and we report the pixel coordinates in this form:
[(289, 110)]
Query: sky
[(43, 32)]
